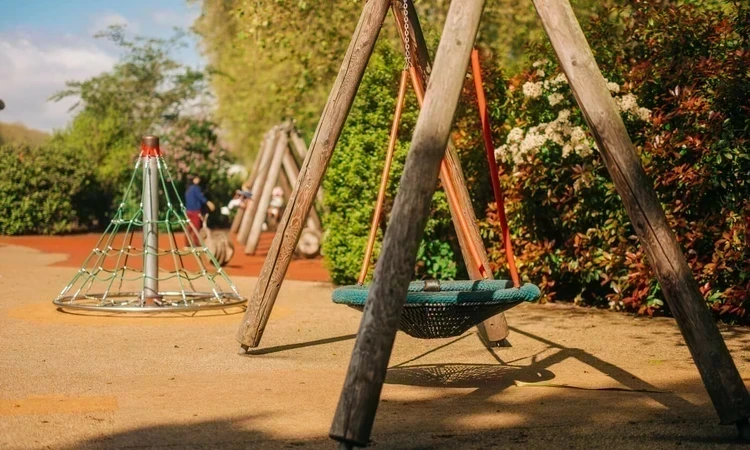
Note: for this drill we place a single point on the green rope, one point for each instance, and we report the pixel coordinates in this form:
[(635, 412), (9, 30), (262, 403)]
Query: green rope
[(95, 274)]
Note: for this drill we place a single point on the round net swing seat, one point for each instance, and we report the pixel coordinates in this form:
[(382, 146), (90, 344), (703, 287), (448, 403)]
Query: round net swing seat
[(448, 309)]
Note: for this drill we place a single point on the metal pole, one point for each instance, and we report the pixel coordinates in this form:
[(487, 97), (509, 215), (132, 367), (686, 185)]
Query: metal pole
[(150, 155)]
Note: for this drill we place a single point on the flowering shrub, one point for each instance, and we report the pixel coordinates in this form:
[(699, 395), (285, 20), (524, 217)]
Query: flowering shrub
[(556, 185), (679, 76)]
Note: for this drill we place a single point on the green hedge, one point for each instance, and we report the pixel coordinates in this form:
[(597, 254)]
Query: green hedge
[(39, 188), (353, 177)]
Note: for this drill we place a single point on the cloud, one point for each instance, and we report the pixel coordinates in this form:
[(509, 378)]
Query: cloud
[(31, 71), (169, 18), (104, 20)]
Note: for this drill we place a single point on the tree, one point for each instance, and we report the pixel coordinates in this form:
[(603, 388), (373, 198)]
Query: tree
[(147, 92)]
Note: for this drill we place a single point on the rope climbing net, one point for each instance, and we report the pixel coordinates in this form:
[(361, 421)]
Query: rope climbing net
[(138, 266)]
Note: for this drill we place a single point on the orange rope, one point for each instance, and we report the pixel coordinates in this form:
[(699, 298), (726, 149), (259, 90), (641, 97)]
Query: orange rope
[(490, 150), (384, 176), (450, 190)]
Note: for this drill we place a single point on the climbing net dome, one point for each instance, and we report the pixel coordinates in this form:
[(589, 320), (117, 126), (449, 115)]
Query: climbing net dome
[(150, 259)]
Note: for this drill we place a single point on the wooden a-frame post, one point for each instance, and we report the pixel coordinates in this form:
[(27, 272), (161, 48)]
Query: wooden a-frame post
[(288, 173), (311, 174), (298, 144), (264, 194), (250, 180), (709, 351), (355, 413), (358, 403), (291, 173), (251, 205), (279, 256)]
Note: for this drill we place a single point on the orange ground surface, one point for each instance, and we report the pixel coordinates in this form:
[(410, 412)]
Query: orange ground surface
[(79, 246)]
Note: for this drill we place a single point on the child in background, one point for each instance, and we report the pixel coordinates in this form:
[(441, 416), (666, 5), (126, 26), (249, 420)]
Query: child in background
[(194, 203), (241, 196)]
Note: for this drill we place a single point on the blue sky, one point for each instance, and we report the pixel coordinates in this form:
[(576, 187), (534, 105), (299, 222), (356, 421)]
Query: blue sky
[(43, 43)]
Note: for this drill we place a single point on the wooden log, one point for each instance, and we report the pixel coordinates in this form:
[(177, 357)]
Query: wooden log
[(311, 173), (252, 203), (264, 195), (308, 245), (292, 173), (301, 149), (494, 329), (237, 221), (298, 144), (385, 302), (715, 364)]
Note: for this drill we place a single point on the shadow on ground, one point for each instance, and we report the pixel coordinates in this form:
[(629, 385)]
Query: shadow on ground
[(439, 423)]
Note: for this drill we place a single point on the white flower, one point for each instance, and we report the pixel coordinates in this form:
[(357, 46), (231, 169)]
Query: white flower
[(613, 87), (554, 99), (560, 79), (577, 135), (540, 73), (532, 141), (532, 90), (563, 115), (627, 102), (515, 135), (541, 62), (500, 152), (552, 134), (566, 150), (584, 150), (643, 114)]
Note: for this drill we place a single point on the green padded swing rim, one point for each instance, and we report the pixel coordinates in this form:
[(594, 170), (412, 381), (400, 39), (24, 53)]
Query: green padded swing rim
[(467, 292)]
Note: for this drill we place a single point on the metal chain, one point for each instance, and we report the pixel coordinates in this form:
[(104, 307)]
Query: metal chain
[(407, 34)]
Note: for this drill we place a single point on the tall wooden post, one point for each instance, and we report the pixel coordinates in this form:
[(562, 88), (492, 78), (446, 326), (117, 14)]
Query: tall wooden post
[(495, 328), (252, 204), (720, 375), (264, 195), (292, 173), (385, 302), (311, 173), (298, 144), (250, 180)]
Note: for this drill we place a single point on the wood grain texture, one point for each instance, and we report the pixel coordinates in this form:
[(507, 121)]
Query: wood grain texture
[(291, 171), (298, 144), (311, 173), (715, 364), (252, 203), (494, 329), (264, 197), (385, 302)]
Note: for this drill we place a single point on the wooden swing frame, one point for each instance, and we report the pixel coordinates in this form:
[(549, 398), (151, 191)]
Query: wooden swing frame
[(275, 163), (359, 400)]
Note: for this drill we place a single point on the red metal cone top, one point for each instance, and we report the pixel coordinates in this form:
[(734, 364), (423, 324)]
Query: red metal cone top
[(150, 146)]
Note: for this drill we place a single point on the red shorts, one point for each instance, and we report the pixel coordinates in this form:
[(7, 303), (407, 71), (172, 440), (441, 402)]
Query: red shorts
[(196, 223)]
